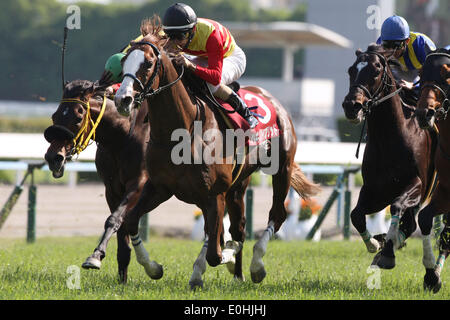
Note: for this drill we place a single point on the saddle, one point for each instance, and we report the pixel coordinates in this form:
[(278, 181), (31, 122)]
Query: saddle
[(262, 108)]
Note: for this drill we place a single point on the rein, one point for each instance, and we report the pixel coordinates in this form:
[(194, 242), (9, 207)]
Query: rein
[(81, 140), (147, 90), (374, 99)]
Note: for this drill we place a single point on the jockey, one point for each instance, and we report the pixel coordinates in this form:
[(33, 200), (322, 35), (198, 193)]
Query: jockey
[(213, 54), (408, 48)]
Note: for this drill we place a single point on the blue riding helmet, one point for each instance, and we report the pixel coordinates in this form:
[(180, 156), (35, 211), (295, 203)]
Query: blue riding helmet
[(394, 28)]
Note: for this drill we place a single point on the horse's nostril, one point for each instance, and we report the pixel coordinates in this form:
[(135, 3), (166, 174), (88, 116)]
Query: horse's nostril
[(58, 158), (127, 100)]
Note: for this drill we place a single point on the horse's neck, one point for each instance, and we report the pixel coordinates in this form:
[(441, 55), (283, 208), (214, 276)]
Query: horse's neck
[(172, 108), (112, 128), (388, 116)]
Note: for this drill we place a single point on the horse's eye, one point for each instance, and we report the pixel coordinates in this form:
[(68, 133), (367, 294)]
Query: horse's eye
[(148, 64)]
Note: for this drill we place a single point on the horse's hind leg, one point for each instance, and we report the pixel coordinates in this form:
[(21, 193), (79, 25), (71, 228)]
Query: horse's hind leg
[(277, 215)]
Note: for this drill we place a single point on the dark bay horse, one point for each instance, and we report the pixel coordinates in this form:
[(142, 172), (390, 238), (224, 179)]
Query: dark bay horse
[(397, 167), (173, 111), (432, 109), (119, 158)]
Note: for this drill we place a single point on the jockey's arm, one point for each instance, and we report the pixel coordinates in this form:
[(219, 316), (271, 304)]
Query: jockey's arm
[(213, 73)]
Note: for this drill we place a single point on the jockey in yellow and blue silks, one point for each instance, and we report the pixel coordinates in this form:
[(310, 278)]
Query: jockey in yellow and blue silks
[(408, 48)]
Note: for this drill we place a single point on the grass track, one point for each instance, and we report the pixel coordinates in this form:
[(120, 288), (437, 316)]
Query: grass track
[(295, 271)]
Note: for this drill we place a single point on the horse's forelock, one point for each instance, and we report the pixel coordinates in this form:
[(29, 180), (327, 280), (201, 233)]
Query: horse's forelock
[(152, 26), (75, 88)]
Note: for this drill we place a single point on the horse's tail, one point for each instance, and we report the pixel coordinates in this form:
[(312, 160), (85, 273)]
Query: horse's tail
[(301, 184)]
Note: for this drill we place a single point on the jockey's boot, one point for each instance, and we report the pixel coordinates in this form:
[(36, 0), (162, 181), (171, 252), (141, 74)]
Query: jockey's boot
[(241, 107)]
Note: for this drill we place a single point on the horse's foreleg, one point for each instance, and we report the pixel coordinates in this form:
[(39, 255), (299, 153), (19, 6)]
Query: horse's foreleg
[(123, 253), (149, 199), (358, 218), (112, 224), (199, 268), (214, 226), (395, 237), (236, 210), (432, 278)]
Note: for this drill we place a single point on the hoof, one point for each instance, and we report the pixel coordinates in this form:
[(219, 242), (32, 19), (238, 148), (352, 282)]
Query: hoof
[(258, 276), (432, 281), (196, 284), (155, 271), (92, 263), (385, 259), (384, 262)]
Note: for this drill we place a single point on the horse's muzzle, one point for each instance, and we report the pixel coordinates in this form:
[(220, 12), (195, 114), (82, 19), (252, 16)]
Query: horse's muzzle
[(123, 104), (352, 110), (426, 117)]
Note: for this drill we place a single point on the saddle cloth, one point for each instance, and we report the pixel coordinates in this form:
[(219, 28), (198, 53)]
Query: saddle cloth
[(264, 111)]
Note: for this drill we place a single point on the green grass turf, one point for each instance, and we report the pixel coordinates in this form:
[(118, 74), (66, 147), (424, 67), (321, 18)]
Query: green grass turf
[(295, 271)]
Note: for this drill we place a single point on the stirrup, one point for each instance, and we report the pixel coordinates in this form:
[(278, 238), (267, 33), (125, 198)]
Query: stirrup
[(252, 121)]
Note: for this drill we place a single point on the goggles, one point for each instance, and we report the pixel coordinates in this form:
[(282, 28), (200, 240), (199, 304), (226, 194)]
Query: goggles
[(393, 44), (177, 35)]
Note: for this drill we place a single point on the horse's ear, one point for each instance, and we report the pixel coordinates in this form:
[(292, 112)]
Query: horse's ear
[(358, 52), (445, 73)]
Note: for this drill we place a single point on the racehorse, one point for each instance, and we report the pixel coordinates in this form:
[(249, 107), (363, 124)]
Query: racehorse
[(432, 109), (173, 111), (84, 114), (397, 166)]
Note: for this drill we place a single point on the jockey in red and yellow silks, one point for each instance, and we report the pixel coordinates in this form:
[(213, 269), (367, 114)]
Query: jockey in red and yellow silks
[(214, 42), (213, 54)]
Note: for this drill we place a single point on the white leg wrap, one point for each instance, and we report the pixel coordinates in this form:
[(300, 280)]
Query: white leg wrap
[(372, 244), (230, 251), (428, 256), (394, 234), (259, 250), (439, 264), (151, 267)]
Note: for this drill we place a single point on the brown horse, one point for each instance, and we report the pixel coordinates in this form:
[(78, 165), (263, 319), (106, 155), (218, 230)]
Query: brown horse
[(119, 158), (397, 167), (432, 108), (173, 113)]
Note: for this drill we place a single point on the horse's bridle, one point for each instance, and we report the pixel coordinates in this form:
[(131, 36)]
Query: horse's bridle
[(147, 90), (375, 99), (442, 111)]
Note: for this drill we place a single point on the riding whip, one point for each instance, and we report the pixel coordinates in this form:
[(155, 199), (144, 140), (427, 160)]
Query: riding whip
[(63, 53)]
